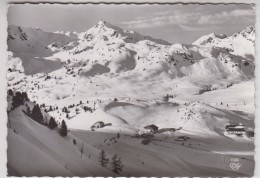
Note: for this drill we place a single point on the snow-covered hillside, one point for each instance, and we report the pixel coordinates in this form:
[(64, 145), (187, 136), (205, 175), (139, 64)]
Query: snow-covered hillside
[(108, 80), (43, 152)]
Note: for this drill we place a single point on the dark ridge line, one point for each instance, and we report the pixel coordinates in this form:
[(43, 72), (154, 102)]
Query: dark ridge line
[(128, 3)]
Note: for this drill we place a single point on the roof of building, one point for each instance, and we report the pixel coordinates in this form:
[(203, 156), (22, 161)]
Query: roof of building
[(236, 129), (153, 127)]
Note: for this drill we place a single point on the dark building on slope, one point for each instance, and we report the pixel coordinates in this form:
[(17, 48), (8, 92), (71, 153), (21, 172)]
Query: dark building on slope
[(235, 129)]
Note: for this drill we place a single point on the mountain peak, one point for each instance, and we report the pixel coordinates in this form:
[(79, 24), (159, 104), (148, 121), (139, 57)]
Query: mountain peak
[(104, 24), (101, 22), (104, 28)]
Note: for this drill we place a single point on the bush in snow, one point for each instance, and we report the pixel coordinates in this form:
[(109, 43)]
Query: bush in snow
[(77, 111), (86, 108), (65, 110)]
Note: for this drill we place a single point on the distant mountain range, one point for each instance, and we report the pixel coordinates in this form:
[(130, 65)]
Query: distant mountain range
[(62, 67), (112, 49)]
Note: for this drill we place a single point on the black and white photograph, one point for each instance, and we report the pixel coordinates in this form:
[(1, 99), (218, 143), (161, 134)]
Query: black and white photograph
[(131, 89)]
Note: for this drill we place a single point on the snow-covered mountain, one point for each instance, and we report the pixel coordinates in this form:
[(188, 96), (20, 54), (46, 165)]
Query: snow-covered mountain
[(37, 41), (111, 61), (106, 51), (241, 43), (105, 31), (124, 81), (31, 46)]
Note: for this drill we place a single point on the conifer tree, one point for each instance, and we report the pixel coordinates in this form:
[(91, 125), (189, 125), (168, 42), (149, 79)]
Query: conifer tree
[(64, 129), (102, 159), (17, 100), (24, 96), (65, 110), (10, 92), (28, 111), (37, 114), (52, 123), (116, 164)]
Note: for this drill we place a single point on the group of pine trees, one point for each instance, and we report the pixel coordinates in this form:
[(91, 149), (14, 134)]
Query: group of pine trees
[(66, 110), (87, 109), (63, 129), (19, 98), (167, 97), (116, 162)]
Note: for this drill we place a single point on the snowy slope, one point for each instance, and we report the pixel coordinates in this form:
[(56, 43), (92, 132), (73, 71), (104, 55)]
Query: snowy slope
[(40, 152), (43, 152)]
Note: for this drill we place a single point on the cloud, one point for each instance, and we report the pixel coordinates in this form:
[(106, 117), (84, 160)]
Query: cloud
[(224, 17), (192, 21), (160, 19), (192, 28)]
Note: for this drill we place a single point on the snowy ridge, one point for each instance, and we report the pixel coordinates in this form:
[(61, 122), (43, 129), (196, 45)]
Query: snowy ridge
[(241, 43), (35, 41)]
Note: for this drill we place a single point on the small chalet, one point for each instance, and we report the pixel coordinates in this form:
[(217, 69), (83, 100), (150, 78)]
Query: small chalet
[(97, 125), (152, 128), (235, 128)]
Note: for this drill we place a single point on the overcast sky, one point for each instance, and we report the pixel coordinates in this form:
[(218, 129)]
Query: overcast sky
[(175, 23)]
